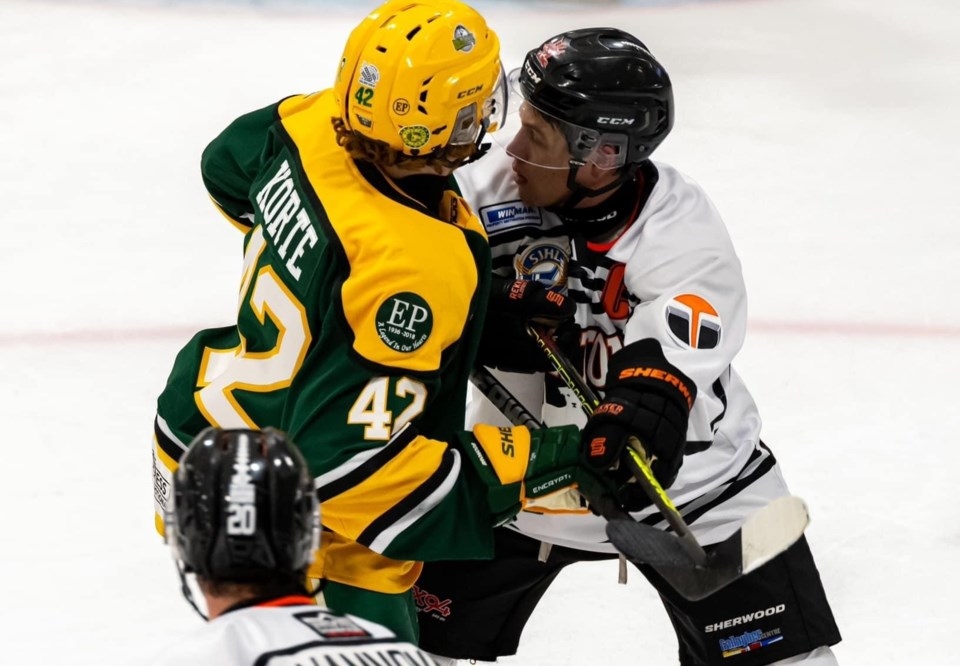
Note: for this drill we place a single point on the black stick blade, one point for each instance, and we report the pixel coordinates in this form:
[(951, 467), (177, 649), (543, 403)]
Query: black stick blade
[(648, 545), (766, 534)]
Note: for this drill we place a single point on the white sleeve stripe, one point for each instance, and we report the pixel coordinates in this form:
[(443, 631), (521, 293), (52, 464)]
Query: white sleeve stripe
[(346, 468), (386, 537), (168, 433)]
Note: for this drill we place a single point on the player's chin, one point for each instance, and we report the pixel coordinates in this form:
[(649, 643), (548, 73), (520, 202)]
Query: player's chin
[(531, 195), (528, 192)]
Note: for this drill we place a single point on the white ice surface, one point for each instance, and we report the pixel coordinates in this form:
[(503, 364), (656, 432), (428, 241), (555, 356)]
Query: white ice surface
[(821, 128)]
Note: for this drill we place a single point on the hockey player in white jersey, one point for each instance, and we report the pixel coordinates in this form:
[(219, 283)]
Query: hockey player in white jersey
[(573, 205), (245, 522)]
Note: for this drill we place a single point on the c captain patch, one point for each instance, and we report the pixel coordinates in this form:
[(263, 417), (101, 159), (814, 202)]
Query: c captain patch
[(693, 321), (404, 322)]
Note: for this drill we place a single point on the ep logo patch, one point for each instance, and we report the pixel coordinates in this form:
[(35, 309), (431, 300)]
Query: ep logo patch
[(404, 322)]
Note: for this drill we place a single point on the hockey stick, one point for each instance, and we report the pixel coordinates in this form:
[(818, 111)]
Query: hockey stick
[(680, 558), (502, 399), (766, 534), (634, 455), (517, 414)]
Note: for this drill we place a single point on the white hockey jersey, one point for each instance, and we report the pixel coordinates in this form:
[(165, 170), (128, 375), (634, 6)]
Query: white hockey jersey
[(301, 635), (672, 275)]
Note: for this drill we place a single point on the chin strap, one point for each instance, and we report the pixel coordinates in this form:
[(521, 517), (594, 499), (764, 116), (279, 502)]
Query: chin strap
[(579, 192), (187, 592), (482, 148)]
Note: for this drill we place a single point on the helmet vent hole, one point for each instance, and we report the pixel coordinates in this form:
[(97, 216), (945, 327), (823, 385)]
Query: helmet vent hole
[(423, 95), (382, 49), (412, 33), (422, 109), (439, 129)]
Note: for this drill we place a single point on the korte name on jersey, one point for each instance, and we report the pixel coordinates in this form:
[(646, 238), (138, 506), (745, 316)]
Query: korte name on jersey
[(280, 204)]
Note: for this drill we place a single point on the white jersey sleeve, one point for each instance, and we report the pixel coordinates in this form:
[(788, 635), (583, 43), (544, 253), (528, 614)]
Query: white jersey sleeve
[(681, 267), (289, 636)]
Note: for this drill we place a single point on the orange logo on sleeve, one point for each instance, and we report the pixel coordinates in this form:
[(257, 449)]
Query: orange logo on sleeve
[(693, 321)]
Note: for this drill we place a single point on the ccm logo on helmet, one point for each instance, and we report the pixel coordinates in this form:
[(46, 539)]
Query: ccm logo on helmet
[(531, 72), (607, 120), (469, 91)]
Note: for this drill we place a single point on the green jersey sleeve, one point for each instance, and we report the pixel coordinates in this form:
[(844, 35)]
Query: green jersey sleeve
[(232, 161)]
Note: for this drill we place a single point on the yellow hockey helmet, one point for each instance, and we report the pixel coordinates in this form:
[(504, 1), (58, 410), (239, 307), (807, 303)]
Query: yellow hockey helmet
[(420, 75)]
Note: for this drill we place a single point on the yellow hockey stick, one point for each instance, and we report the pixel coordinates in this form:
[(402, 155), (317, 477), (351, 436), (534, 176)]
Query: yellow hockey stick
[(635, 456)]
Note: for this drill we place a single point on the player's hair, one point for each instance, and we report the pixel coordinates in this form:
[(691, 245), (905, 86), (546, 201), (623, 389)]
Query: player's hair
[(282, 585), (360, 147)]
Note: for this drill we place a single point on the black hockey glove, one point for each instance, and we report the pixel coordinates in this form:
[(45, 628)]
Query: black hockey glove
[(650, 399), (513, 305)]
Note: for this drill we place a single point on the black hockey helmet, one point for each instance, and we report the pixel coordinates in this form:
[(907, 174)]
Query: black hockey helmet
[(605, 88), (243, 508)]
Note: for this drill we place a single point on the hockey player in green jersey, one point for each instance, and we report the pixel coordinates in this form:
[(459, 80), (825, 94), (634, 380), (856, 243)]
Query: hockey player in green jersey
[(364, 281)]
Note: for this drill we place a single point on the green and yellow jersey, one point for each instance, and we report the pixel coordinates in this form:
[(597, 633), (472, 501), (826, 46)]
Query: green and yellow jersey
[(359, 312)]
